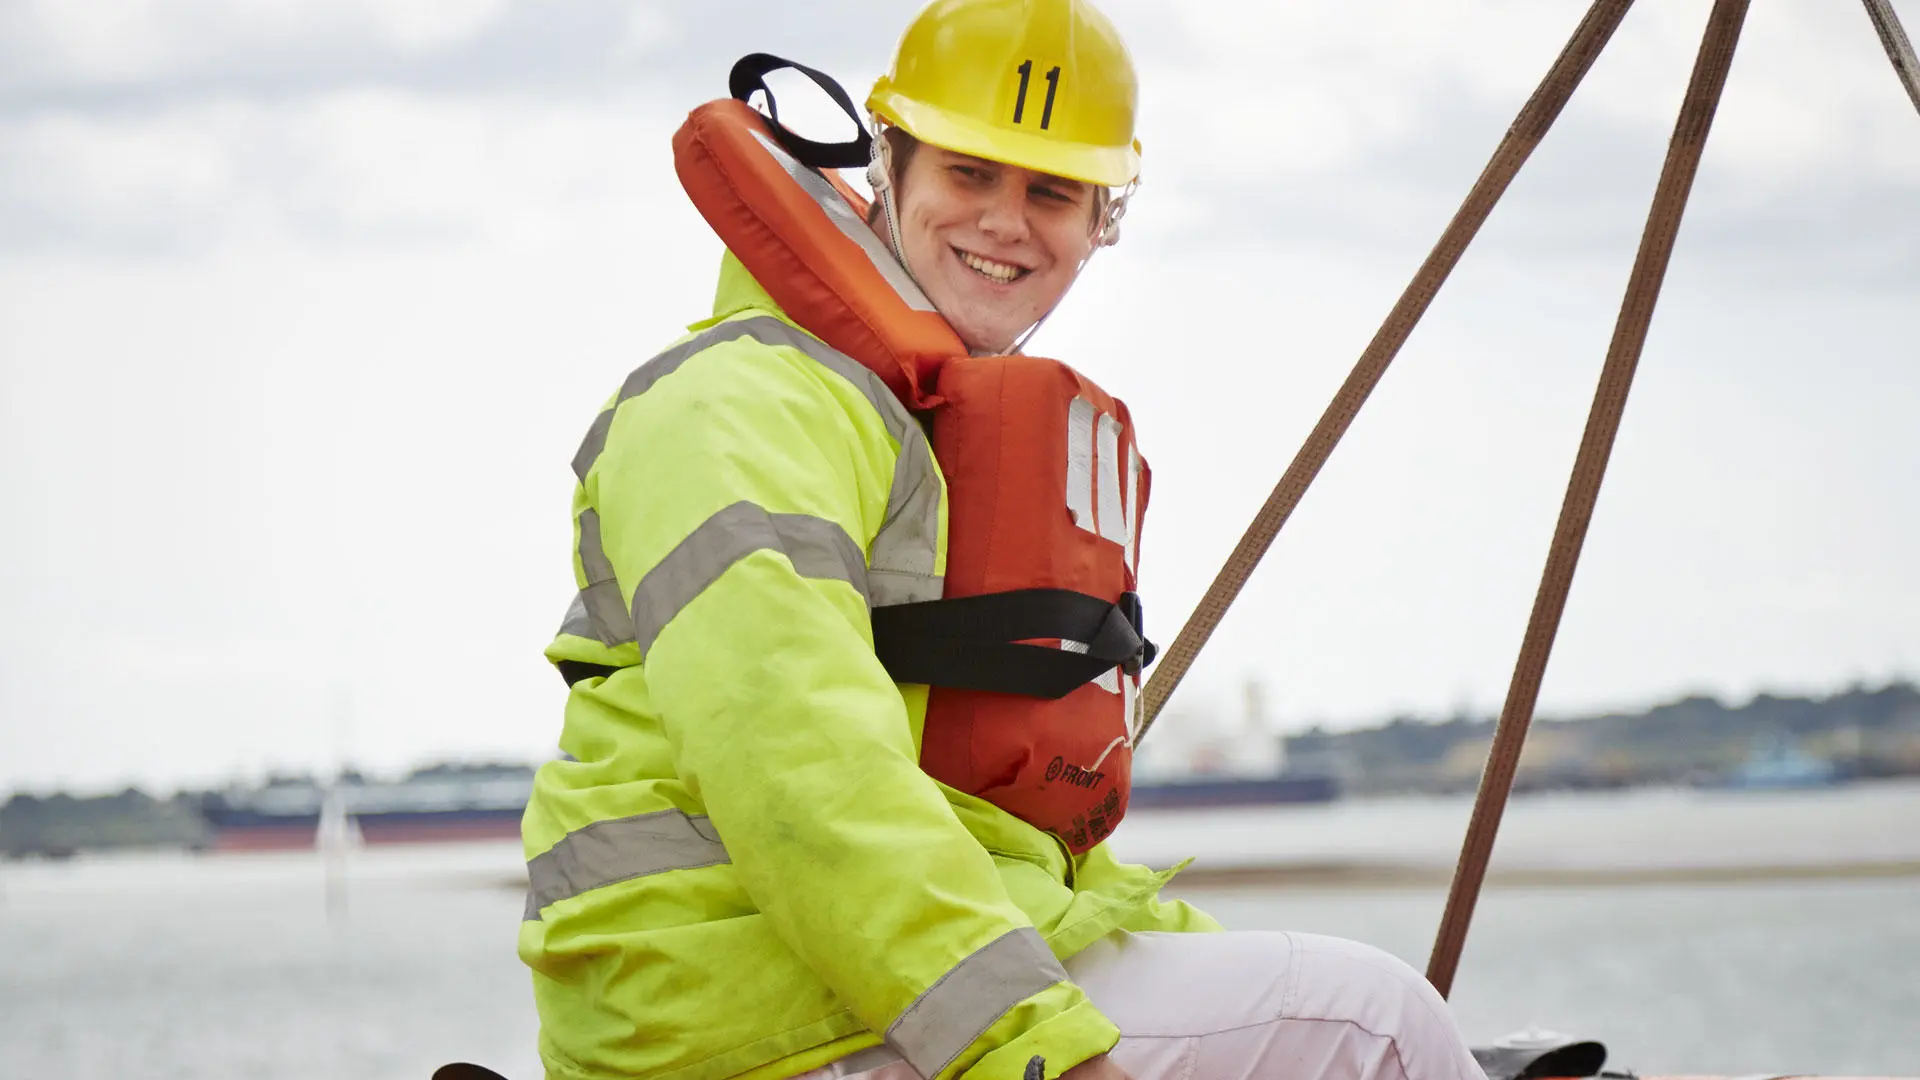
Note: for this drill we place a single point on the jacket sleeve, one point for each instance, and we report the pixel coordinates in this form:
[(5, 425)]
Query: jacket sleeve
[(739, 496)]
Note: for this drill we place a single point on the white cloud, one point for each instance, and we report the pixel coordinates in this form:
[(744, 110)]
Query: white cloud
[(110, 42), (647, 28), (419, 25), (1314, 86), (347, 167), (375, 159), (116, 174)]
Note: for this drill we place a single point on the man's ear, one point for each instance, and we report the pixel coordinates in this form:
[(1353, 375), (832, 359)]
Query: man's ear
[(1108, 234)]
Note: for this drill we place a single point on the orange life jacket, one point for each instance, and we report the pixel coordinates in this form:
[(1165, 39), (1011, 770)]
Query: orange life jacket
[(1035, 651)]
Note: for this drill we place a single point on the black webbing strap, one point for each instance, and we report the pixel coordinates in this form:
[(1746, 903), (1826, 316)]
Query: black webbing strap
[(974, 642), (749, 75)]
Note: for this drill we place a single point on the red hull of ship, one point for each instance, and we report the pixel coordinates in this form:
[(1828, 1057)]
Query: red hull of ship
[(264, 838)]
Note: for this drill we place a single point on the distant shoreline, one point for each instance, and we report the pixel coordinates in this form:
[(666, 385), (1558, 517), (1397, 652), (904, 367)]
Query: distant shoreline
[(1382, 875)]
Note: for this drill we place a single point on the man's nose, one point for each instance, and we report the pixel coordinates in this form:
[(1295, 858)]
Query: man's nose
[(1005, 216)]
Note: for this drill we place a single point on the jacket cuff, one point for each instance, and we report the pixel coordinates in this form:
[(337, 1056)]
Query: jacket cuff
[(1068, 1037)]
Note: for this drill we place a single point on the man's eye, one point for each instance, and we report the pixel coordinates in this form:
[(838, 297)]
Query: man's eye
[(970, 172), (1052, 193)]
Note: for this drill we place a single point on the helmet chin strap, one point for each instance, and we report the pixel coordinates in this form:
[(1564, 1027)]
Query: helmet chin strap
[(1106, 234), (880, 179), (1019, 347)]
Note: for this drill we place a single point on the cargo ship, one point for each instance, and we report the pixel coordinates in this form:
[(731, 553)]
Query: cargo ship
[(439, 804), (1201, 792), (1251, 766)]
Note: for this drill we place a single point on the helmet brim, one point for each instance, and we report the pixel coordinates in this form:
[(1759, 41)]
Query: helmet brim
[(1108, 166)]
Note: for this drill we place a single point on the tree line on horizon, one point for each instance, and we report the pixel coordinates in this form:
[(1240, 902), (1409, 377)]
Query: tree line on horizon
[(1872, 732)]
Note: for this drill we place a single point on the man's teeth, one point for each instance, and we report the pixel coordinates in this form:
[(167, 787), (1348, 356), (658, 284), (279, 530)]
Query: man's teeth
[(1000, 272)]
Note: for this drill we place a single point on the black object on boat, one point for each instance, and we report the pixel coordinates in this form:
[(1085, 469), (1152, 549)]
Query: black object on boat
[(461, 1070), (1529, 1055)]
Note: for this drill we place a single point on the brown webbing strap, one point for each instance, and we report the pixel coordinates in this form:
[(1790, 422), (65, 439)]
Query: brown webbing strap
[(1590, 467), (1899, 50), (1528, 129)]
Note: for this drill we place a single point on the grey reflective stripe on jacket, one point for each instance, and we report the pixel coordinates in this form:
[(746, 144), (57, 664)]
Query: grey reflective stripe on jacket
[(600, 601), (905, 550), (818, 548), (930, 1033), (607, 852), (575, 621), (959, 1008), (610, 623), (898, 569)]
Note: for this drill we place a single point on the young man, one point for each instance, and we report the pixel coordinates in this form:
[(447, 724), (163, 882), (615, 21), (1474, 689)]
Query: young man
[(742, 869)]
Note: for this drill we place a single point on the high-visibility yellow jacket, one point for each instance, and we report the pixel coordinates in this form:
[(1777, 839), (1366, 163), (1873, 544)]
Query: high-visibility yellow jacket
[(740, 869)]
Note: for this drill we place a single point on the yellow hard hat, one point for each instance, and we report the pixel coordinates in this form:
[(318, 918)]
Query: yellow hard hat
[(1045, 85)]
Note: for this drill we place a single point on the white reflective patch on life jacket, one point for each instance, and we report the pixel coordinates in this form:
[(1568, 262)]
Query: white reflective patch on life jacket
[(1109, 680), (1133, 510), (1113, 517), (1093, 468), (1080, 417)]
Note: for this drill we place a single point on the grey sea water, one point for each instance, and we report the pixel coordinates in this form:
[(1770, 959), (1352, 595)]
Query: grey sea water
[(395, 961)]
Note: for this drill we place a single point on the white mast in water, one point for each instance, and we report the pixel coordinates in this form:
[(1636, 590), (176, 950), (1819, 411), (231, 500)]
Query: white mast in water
[(337, 832)]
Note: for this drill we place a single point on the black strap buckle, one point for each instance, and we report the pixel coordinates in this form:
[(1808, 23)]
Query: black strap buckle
[(1131, 609)]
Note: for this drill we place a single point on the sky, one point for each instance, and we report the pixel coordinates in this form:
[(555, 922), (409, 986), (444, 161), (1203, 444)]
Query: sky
[(305, 305)]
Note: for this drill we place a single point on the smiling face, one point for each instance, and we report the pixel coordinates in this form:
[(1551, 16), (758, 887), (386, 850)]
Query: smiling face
[(993, 246)]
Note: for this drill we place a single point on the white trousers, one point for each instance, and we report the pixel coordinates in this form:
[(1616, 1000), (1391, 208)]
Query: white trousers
[(1250, 1005)]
